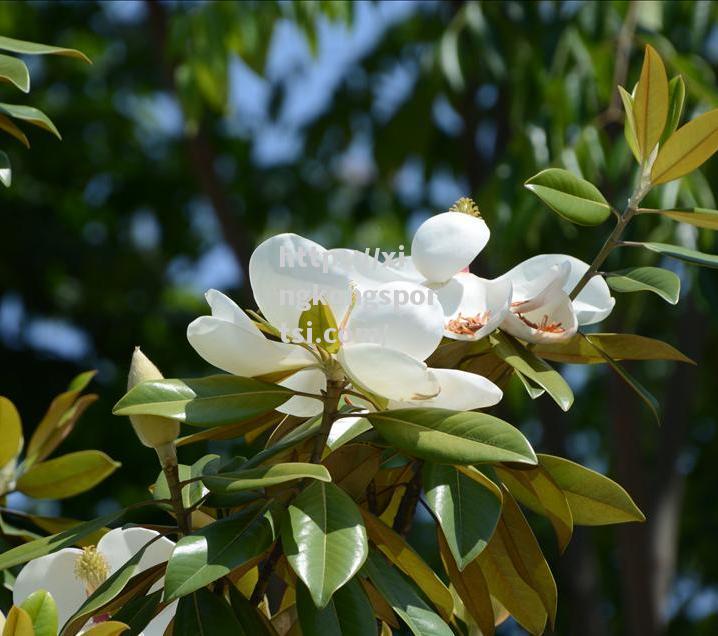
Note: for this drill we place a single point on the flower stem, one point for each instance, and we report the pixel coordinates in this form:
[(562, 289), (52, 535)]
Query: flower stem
[(331, 406), (168, 458)]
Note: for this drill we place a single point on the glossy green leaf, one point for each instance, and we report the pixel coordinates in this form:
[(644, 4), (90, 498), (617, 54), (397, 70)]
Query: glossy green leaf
[(349, 613), (662, 282), (593, 498), (404, 600), (13, 70), (138, 611), (467, 509), (533, 367), (215, 550), (455, 437), (324, 539), (264, 477), (687, 148), (683, 253), (31, 115), (33, 48), (301, 434), (106, 628), (11, 129), (210, 401), (319, 326), (193, 492), (700, 217), (10, 431), (5, 170), (619, 346), (629, 124), (251, 618), (676, 101), (571, 197), (42, 610), (650, 104), (203, 613), (67, 475)]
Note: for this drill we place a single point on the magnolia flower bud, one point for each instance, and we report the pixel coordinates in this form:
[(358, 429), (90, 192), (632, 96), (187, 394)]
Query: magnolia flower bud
[(153, 431)]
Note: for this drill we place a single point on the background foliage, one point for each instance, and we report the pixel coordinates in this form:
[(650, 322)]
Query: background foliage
[(203, 127)]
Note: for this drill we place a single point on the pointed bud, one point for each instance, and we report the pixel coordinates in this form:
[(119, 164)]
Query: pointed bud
[(153, 431)]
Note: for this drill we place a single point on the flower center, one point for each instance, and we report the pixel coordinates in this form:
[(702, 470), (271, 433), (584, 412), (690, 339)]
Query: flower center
[(92, 569), (468, 325), (467, 206), (544, 325)]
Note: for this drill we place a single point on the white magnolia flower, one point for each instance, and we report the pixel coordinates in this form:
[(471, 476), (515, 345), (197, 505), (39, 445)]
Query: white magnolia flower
[(70, 575), (541, 309), (389, 328)]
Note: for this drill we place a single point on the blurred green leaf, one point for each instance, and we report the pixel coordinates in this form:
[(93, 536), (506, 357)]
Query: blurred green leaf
[(33, 48), (683, 253), (650, 105), (676, 101), (700, 217), (13, 70), (10, 431), (31, 115)]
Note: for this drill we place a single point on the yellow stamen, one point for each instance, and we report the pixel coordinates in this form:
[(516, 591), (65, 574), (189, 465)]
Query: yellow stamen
[(92, 569), (468, 325), (467, 206)]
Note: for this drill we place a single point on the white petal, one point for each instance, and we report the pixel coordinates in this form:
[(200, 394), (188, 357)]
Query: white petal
[(368, 272), (118, 546), (391, 318), (387, 372), (558, 312), (226, 309), (466, 296), (158, 625), (307, 381), (232, 348), (54, 573), (446, 243), (460, 391), (287, 271)]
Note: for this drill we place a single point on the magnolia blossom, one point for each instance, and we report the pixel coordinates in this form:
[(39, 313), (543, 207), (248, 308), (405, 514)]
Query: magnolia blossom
[(388, 328), (71, 575)]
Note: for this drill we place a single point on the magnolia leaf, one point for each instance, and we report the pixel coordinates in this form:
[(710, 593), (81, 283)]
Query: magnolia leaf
[(650, 104), (467, 509), (571, 197), (594, 499), (215, 550), (403, 599), (324, 539), (353, 466), (401, 554), (454, 437), (700, 217), (534, 368), (619, 346), (629, 125), (5, 170), (10, 431), (471, 587), (318, 324), (193, 492), (31, 115), (107, 628), (264, 477), (251, 618), (33, 48), (536, 490), (203, 613), (13, 70), (662, 282), (18, 623), (10, 128), (676, 101), (349, 613), (210, 401), (42, 610), (137, 612), (67, 475), (250, 429), (683, 253), (687, 148), (533, 389)]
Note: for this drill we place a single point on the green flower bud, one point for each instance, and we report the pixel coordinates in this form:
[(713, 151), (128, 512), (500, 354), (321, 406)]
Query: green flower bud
[(153, 431)]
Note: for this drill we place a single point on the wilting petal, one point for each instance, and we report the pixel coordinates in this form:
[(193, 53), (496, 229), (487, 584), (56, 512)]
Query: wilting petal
[(553, 321), (287, 271), (307, 381), (54, 573), (460, 391), (446, 243), (394, 320), (387, 372), (118, 546), (232, 348), (473, 306)]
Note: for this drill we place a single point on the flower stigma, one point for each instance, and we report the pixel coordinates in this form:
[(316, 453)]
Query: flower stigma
[(467, 206), (544, 325), (468, 325), (92, 569)]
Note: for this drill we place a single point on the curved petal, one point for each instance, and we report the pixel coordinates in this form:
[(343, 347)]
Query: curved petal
[(118, 546), (369, 272), (158, 625), (287, 271), (226, 309), (388, 372), (232, 348), (460, 391), (54, 573), (473, 306), (446, 243), (390, 316), (307, 381), (552, 322)]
